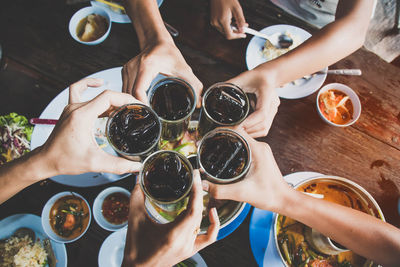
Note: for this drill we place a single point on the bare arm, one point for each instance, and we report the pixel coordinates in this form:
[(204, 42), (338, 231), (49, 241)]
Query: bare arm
[(329, 45), (147, 22), (358, 231), (158, 52), (71, 148), (265, 188)]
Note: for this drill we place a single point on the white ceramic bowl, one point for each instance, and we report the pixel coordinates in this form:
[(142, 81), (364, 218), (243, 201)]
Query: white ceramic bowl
[(353, 97), (46, 218), (84, 12), (97, 207)]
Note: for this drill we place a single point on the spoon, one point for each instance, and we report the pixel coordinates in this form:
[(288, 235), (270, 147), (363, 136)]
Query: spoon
[(284, 41)]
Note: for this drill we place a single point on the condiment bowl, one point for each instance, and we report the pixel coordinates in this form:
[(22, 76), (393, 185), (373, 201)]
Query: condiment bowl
[(46, 218), (352, 96), (98, 206), (84, 12)]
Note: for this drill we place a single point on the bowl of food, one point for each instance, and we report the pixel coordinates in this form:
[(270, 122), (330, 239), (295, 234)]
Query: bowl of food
[(292, 241), (90, 25), (66, 217), (338, 105), (111, 208)]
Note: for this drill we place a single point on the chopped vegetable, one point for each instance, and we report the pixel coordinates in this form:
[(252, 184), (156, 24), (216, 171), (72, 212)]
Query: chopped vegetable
[(15, 136)]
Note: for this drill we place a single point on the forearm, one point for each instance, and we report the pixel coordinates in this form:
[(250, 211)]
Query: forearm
[(22, 172), (147, 21), (329, 45), (360, 232)]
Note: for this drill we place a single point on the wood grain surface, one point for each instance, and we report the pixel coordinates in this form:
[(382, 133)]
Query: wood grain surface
[(42, 59)]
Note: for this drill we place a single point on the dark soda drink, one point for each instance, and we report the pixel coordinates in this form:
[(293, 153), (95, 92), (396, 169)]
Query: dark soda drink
[(166, 177), (166, 180), (224, 156), (224, 104), (133, 130), (174, 101)]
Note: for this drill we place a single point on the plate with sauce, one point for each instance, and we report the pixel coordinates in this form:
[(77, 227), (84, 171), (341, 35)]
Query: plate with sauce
[(66, 217), (111, 208)]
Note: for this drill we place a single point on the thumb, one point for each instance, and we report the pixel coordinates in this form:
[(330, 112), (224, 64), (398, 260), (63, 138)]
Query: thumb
[(222, 191), (117, 165)]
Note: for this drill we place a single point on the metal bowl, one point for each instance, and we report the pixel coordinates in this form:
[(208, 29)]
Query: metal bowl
[(363, 195)]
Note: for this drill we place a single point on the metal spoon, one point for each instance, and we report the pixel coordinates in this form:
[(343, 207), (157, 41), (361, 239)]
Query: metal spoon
[(284, 41)]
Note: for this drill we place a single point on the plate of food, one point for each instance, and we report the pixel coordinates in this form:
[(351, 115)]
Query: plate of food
[(261, 231), (22, 240), (112, 81), (259, 51), (115, 9), (112, 252), (286, 242), (15, 137)]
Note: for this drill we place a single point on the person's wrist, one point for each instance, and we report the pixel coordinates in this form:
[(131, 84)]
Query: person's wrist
[(38, 165), (158, 40), (266, 75)]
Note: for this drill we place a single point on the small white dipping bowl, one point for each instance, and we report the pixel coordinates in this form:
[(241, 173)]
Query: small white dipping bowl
[(46, 218), (98, 204), (82, 13), (353, 97)]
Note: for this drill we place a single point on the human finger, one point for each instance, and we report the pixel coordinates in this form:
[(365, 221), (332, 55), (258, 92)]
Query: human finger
[(124, 76), (76, 89), (195, 83), (142, 83), (254, 119), (131, 71), (260, 129), (193, 212), (223, 191), (229, 33), (239, 18), (105, 162), (137, 200), (210, 237), (105, 101)]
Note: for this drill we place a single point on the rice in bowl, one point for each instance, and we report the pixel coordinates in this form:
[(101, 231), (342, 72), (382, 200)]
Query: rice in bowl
[(23, 251)]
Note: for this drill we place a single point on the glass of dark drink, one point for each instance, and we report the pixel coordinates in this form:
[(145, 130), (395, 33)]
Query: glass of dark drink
[(174, 101), (134, 131), (223, 104), (166, 180), (224, 156)]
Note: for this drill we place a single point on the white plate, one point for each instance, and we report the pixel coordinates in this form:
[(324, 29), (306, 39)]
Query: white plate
[(112, 251), (12, 223), (112, 81), (254, 57), (116, 17)]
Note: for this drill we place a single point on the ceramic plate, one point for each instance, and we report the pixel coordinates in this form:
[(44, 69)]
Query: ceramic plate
[(116, 17), (14, 222), (254, 57), (261, 231), (112, 81), (112, 251)]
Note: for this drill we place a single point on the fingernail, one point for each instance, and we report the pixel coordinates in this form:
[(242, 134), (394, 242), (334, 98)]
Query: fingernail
[(214, 211), (205, 185), (136, 166)]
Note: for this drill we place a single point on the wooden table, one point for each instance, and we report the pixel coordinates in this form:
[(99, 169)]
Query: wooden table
[(42, 59)]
